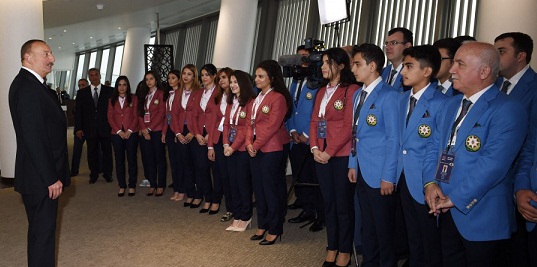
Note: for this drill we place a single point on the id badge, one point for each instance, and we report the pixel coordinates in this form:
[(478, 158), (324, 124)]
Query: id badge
[(232, 134), (147, 118), (169, 118), (321, 129), (444, 168)]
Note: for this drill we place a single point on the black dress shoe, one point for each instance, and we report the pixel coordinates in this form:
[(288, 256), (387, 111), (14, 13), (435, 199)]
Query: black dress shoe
[(329, 264), (108, 179), (74, 174), (265, 242), (294, 206), (131, 194), (257, 237), (187, 204), (302, 217), (92, 181), (317, 225)]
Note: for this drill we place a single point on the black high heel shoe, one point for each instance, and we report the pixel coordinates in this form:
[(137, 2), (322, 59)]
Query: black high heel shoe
[(329, 264), (265, 242), (187, 204), (121, 192), (258, 237), (195, 206), (151, 192), (212, 212), (161, 192), (132, 192)]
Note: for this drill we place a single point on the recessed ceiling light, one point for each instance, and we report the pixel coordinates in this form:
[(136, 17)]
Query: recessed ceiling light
[(64, 30), (50, 38), (119, 28), (73, 43), (91, 37), (59, 47)]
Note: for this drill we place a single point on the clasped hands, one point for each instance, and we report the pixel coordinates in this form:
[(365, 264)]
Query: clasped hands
[(321, 157), (437, 201)]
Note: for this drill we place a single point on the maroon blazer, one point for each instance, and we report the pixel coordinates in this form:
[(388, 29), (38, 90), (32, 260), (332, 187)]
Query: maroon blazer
[(125, 118), (271, 133), (338, 121), (182, 116), (157, 113), (213, 116), (200, 117), (243, 122)]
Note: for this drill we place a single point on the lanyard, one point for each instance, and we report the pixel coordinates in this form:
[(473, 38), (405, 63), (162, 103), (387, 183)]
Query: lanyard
[(257, 102), (170, 100), (148, 99), (326, 98)]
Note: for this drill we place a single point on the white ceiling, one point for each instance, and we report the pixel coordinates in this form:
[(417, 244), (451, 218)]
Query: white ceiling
[(75, 25)]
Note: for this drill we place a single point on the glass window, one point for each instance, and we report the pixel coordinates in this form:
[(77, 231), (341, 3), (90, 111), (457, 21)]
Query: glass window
[(80, 68), (117, 63), (92, 59), (104, 62)]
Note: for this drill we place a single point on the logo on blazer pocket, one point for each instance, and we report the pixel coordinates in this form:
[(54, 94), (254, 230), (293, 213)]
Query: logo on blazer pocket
[(472, 143), (265, 109), (371, 120), (242, 115), (155, 102), (338, 104), (309, 95), (424, 131)]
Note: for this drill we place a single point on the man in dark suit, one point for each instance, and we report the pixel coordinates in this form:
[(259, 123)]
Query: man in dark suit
[(447, 48), (41, 165), (476, 139), (91, 122), (398, 39)]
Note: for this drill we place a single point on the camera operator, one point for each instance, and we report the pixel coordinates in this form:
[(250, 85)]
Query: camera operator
[(302, 164)]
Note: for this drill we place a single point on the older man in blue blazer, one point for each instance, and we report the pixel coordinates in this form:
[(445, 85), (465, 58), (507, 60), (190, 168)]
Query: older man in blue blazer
[(468, 159), (373, 159)]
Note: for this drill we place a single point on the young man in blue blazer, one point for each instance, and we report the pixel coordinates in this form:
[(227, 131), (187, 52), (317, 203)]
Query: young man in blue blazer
[(418, 108), (467, 160), (373, 159)]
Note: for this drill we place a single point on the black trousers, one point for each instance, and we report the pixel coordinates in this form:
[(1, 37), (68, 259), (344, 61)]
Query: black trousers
[(422, 230), (186, 182), (104, 145), (457, 251), (202, 171), (338, 202), (221, 174), (378, 227), (41, 212), (270, 189), (154, 159), (77, 153), (240, 185), (532, 246), (173, 158), (303, 168), (128, 147)]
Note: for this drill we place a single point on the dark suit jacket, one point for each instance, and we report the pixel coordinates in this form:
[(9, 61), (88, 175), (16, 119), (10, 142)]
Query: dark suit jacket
[(93, 121), (41, 130)]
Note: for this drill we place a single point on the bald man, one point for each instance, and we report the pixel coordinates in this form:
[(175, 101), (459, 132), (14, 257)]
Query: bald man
[(478, 135)]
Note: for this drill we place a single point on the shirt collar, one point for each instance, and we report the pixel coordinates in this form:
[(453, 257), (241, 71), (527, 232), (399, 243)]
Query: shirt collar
[(514, 80), (419, 93), (35, 74), (372, 86), (477, 95)]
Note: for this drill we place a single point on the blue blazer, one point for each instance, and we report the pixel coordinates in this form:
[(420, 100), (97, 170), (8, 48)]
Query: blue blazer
[(526, 177), (526, 92), (377, 136), (450, 91), (488, 141), (301, 116), (398, 84), (413, 137)]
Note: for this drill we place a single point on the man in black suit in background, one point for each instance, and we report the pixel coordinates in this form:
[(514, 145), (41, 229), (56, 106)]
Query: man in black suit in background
[(41, 164), (91, 122)]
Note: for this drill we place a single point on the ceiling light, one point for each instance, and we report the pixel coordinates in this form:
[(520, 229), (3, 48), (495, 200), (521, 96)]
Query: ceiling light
[(100, 6)]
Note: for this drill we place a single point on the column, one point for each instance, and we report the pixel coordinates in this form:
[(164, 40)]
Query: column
[(132, 64), (499, 16), (20, 21), (235, 34)]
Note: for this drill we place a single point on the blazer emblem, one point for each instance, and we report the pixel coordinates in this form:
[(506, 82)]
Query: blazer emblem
[(338, 104), (473, 143), (242, 115), (309, 95), (265, 109), (424, 131), (371, 120), (156, 102)]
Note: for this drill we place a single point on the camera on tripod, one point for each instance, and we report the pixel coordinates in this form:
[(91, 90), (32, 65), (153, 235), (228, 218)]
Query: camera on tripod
[(300, 67)]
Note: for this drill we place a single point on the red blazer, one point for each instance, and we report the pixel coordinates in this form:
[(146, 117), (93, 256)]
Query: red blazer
[(125, 118), (200, 117), (182, 116), (157, 113), (213, 116), (338, 122), (241, 128), (271, 133)]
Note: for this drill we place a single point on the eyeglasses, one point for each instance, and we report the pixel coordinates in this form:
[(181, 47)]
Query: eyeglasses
[(444, 58), (392, 43)]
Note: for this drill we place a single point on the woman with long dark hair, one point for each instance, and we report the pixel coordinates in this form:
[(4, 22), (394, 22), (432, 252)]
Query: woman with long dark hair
[(215, 127), (236, 121), (182, 126), (123, 120), (152, 112), (330, 140), (168, 135), (199, 148), (267, 143)]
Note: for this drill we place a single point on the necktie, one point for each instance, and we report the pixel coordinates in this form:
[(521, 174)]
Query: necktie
[(440, 87), (505, 86), (298, 90), (95, 96), (392, 74), (465, 107), (411, 108), (363, 95)]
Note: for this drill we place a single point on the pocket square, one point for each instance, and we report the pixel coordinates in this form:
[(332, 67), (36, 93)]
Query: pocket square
[(372, 106), (426, 114), (477, 125)]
